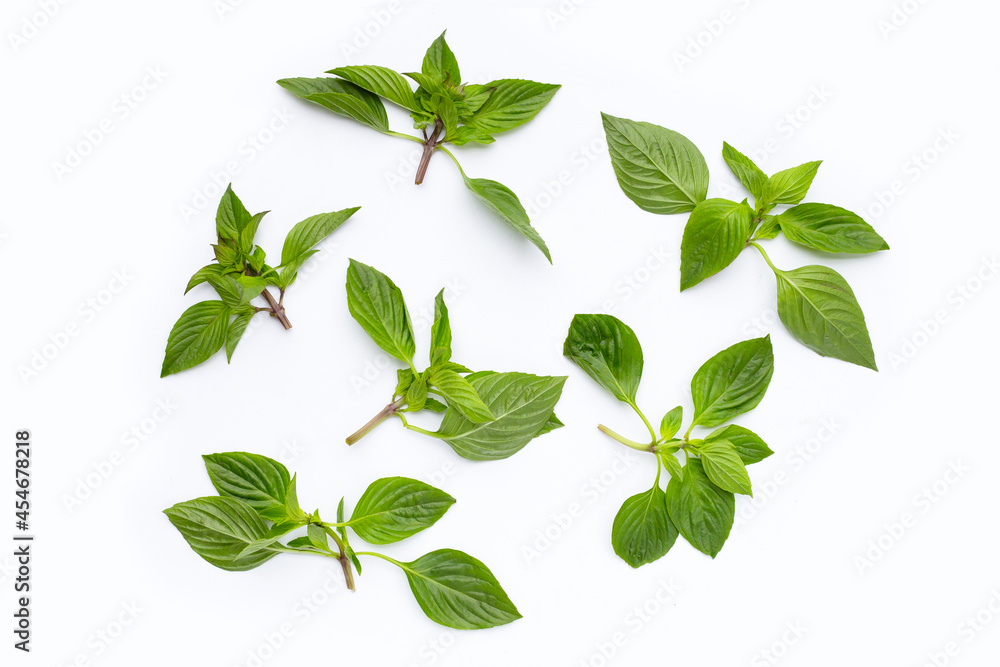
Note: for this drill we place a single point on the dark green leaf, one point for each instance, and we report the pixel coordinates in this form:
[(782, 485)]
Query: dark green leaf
[(440, 332), (829, 229), (232, 216), (260, 482), (658, 169), (341, 97), (701, 511), (382, 81), (732, 382), (235, 332), (440, 63), (220, 530), (377, 305), (819, 309), (199, 333), (608, 351), (642, 531), (458, 591), (513, 102), (203, 274), (715, 235), (394, 508)]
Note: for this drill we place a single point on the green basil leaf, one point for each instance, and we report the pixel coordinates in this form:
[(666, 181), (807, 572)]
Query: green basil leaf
[(732, 382), (513, 102), (458, 591), (440, 63), (440, 332), (404, 378), (382, 81), (248, 233), (301, 240), (702, 512), (672, 465), (237, 291), (608, 351), (317, 537), (467, 134), (819, 309), (460, 395), (476, 95), (226, 256), (260, 482), (394, 508), (341, 97), (416, 394), (724, 466), (748, 173), (642, 531), (746, 443), (502, 201), (671, 423), (377, 305), (203, 274), (199, 333), (768, 229), (220, 530), (434, 405), (522, 406), (659, 169), (235, 332), (829, 229), (715, 235), (232, 215), (790, 186)]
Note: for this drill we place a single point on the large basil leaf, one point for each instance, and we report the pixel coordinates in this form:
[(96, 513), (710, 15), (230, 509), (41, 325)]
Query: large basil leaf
[(382, 81), (819, 309), (732, 382), (829, 229), (260, 482), (224, 531), (723, 465), (702, 512), (748, 173), (377, 305), (513, 102), (199, 333), (501, 200), (715, 235), (659, 169), (303, 237), (341, 97), (791, 185), (394, 508), (642, 531)]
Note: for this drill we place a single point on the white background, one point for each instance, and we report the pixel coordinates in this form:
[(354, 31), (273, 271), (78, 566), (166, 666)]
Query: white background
[(868, 102)]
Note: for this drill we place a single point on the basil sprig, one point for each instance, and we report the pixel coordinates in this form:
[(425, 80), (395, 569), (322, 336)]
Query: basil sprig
[(486, 415), (257, 509), (444, 109), (240, 274), (699, 499), (663, 172)]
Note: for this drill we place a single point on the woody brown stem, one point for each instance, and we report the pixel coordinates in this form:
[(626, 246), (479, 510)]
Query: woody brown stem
[(430, 145)]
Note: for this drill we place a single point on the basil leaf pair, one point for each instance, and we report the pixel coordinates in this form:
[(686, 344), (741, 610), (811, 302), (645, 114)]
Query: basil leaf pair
[(444, 109), (699, 500), (257, 507), (239, 275), (663, 172), (487, 415)]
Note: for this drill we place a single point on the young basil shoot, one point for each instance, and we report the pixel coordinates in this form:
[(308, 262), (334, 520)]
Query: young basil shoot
[(486, 415), (445, 110), (239, 275), (257, 507), (663, 172), (699, 500)]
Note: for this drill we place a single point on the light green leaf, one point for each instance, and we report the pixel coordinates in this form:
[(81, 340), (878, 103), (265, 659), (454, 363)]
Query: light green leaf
[(502, 201), (317, 537), (732, 382), (458, 591), (748, 173), (724, 466), (237, 290), (608, 351), (416, 394), (220, 530), (642, 532), (304, 236), (404, 378), (440, 63), (672, 465), (715, 235), (394, 508), (199, 333), (203, 274), (440, 332), (377, 305), (671, 423), (460, 395), (248, 233), (467, 134), (513, 102), (768, 229), (659, 169), (232, 216), (235, 332), (522, 406), (382, 81), (701, 511), (434, 405), (819, 309), (829, 229), (791, 185), (341, 97), (746, 443)]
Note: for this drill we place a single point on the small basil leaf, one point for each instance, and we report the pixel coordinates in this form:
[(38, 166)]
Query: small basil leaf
[(416, 394), (380, 80), (341, 97), (260, 482), (377, 305), (232, 216), (235, 332), (702, 512), (746, 443), (642, 531), (829, 229), (460, 395), (304, 236), (671, 423), (791, 185), (748, 173), (714, 236), (724, 466), (512, 103), (203, 274), (199, 333), (502, 201), (394, 508), (732, 382), (440, 331), (440, 63)]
